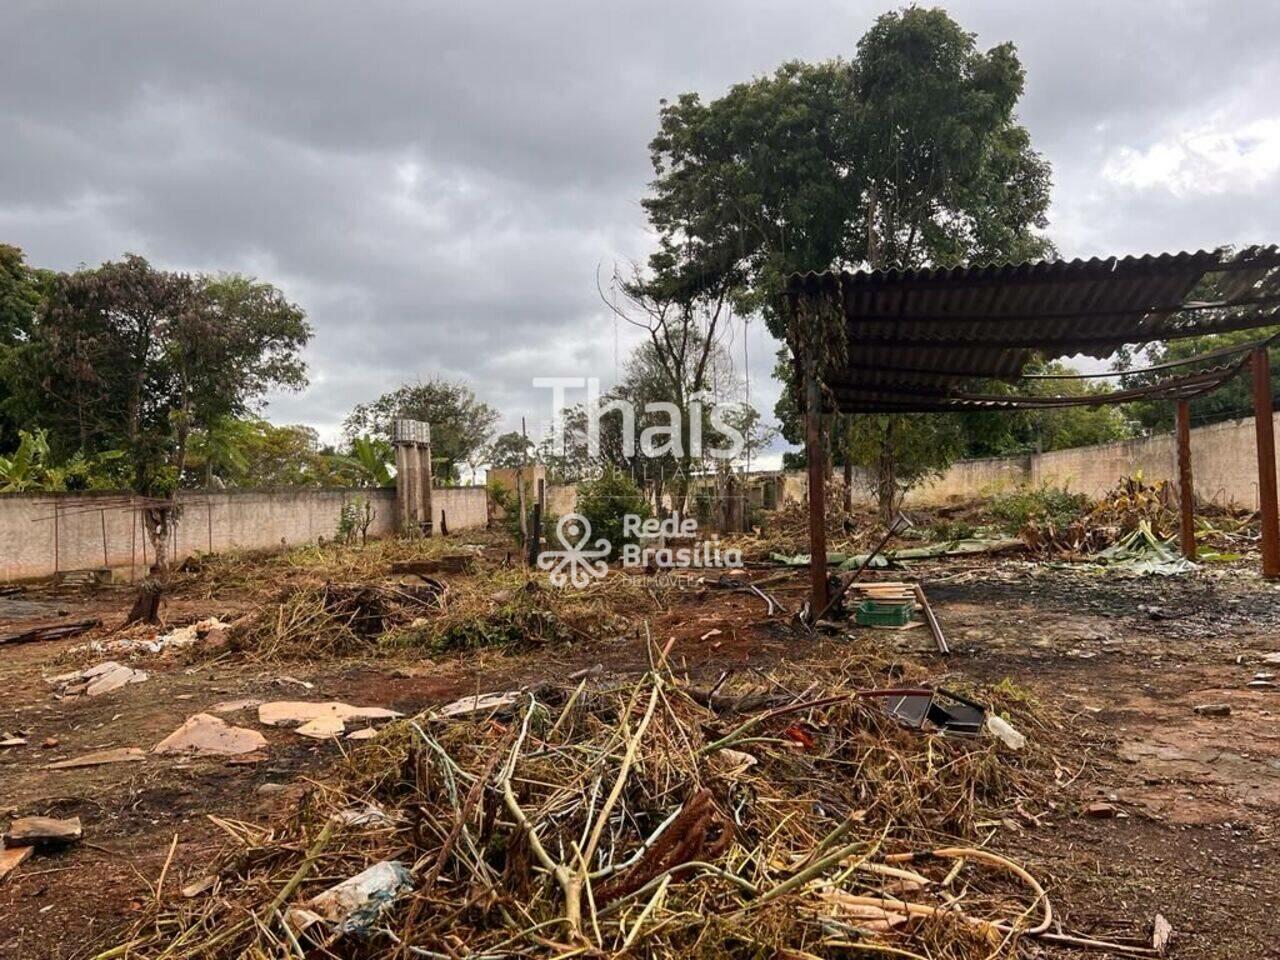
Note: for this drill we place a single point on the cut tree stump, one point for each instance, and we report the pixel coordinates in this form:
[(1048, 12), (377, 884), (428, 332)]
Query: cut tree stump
[(146, 605)]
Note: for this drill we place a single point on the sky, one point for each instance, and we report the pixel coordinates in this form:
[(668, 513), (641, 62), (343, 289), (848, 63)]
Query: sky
[(440, 185)]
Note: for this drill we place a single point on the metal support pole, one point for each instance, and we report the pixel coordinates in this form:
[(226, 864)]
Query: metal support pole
[(817, 494), (1186, 492), (1267, 507)]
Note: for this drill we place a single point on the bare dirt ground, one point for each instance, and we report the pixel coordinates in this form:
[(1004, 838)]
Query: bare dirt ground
[(1118, 665)]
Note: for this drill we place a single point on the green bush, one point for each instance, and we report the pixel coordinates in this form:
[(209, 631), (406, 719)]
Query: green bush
[(508, 501), (605, 501), (948, 530), (1055, 504)]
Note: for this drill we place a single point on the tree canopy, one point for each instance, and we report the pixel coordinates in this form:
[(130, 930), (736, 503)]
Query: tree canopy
[(128, 357), (909, 154), (461, 423), (510, 451)]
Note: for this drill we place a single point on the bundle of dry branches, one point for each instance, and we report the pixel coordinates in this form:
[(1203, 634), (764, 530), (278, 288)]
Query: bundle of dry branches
[(633, 818)]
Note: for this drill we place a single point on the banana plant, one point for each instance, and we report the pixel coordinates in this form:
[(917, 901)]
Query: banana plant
[(371, 460), (25, 469)]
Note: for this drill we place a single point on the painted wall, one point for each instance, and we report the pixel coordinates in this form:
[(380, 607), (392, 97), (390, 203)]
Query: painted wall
[(1224, 469), (42, 534), (464, 507)]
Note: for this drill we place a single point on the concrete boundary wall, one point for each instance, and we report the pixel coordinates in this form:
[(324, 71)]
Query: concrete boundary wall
[(1224, 469), (42, 534)]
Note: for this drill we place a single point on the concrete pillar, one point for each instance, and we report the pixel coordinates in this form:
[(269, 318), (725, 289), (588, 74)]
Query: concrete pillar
[(425, 483)]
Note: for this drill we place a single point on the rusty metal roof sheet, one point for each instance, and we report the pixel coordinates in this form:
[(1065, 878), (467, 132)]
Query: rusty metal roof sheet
[(919, 339)]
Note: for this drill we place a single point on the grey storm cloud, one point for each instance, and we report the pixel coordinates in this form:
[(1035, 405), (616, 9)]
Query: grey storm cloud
[(439, 184)]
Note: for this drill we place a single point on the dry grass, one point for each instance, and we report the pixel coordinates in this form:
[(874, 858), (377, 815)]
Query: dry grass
[(631, 818)]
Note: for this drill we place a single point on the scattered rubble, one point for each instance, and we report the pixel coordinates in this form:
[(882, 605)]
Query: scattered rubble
[(206, 735), (117, 755), (94, 681), (211, 631), (1213, 710), (321, 721), (480, 703), (235, 706)]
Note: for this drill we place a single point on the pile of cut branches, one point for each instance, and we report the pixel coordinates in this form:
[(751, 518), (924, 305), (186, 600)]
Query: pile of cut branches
[(632, 818)]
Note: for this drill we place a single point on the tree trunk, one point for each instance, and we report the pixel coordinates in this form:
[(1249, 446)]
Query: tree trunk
[(146, 605), (887, 477)]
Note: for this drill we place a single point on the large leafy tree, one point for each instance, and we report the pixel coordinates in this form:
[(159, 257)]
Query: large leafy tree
[(461, 423), (131, 358), (1232, 400), (510, 451), (21, 290), (908, 155)]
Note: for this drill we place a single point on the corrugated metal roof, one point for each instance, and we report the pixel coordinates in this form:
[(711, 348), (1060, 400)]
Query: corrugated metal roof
[(918, 338)]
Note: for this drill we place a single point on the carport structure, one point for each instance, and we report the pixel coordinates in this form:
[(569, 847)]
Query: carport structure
[(934, 341)]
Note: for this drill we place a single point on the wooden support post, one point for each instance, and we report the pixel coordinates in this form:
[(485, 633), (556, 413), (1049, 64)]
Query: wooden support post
[(1186, 492), (1267, 507), (817, 494), (535, 534)]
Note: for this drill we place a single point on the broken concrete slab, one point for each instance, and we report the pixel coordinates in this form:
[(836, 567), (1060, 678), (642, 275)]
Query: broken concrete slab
[(114, 679), (117, 755), (480, 703), (206, 735), (317, 719), (1213, 710), (94, 681), (235, 706), (11, 858), (43, 831), (322, 728)]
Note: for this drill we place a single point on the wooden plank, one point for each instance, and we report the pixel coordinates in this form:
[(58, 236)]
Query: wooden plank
[(934, 627), (55, 632)]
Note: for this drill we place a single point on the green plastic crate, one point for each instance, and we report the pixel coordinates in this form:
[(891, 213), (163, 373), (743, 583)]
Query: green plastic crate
[(872, 613)]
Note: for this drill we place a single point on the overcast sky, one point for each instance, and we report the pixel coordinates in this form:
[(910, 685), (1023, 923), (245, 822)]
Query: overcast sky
[(437, 184)]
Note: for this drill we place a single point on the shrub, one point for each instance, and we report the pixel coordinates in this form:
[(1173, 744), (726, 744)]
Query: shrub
[(605, 501), (1055, 504), (948, 530)]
